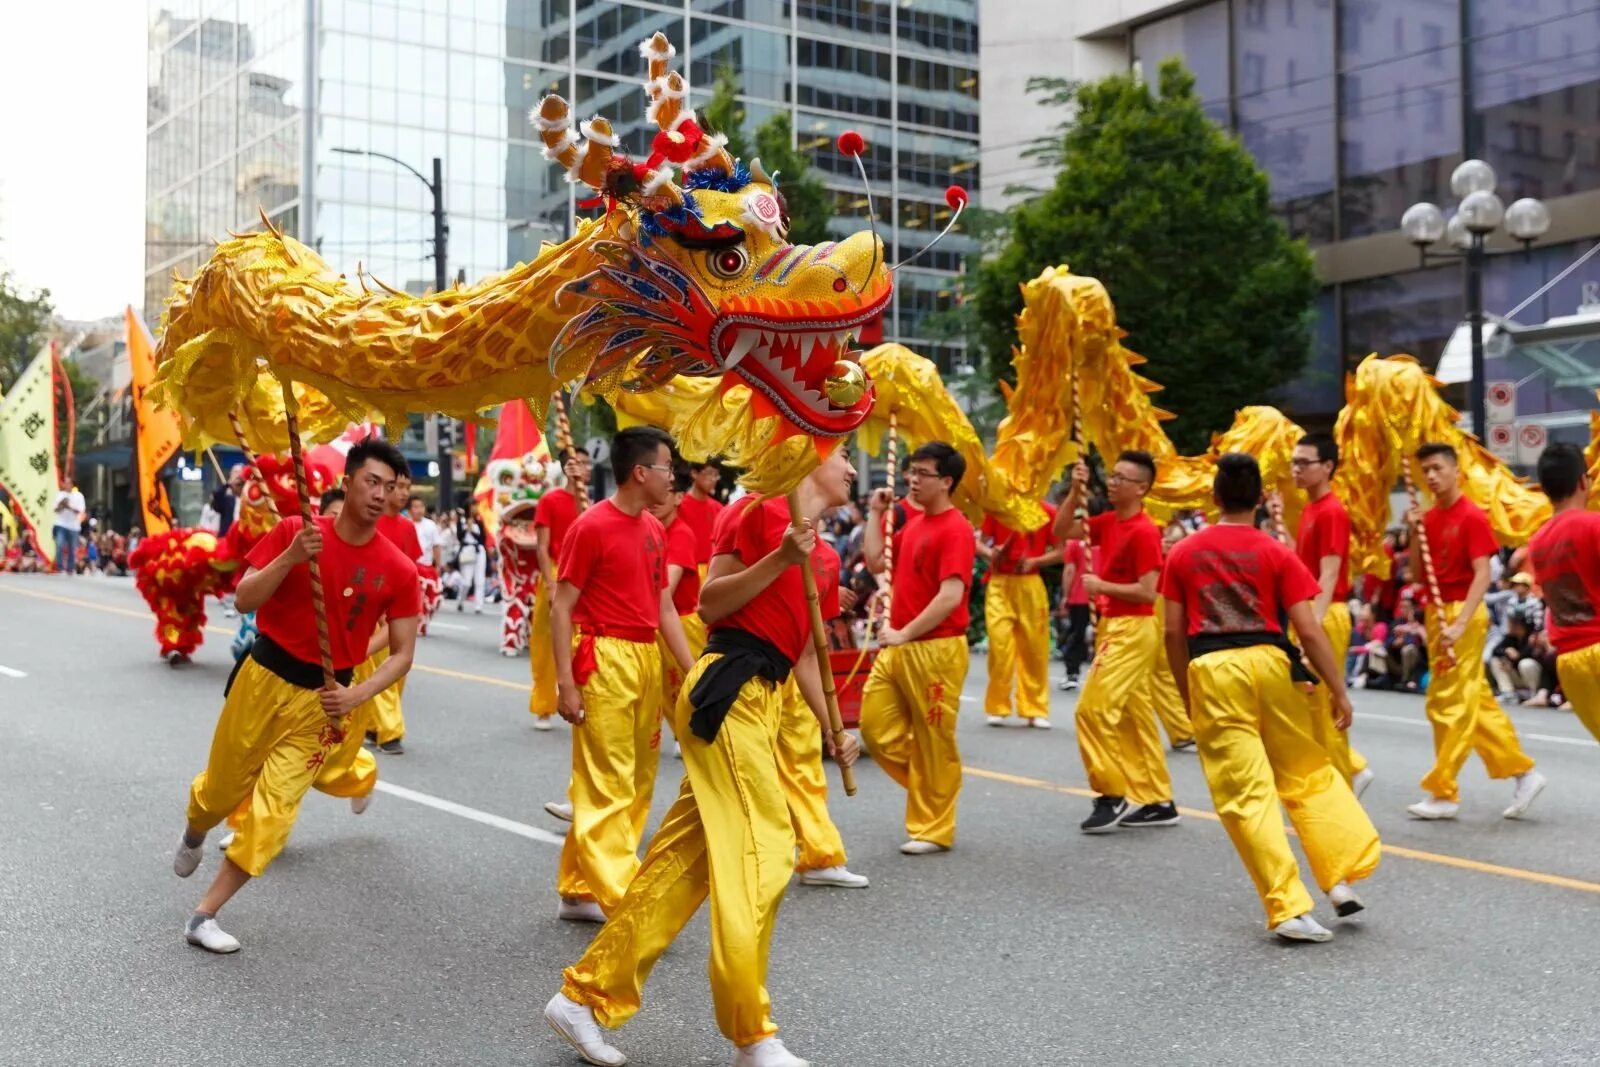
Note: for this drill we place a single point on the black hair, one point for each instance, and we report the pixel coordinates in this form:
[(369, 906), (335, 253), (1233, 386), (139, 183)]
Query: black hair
[(1238, 483), (332, 496), (1327, 448), (377, 448), (567, 453), (636, 446), (1561, 470), (947, 462), (1437, 448), (413, 498), (683, 476), (1142, 460)]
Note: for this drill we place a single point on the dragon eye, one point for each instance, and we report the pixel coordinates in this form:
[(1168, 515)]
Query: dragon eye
[(728, 262)]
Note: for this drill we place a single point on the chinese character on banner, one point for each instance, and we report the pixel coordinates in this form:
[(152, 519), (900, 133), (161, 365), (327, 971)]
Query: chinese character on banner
[(40, 462), (32, 425)]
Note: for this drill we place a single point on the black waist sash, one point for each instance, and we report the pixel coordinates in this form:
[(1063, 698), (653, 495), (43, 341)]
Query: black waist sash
[(1204, 644), (296, 672), (744, 656)]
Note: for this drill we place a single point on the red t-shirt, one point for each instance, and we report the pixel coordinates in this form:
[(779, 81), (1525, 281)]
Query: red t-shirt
[(402, 533), (1129, 549), (1234, 579), (1325, 531), (681, 553), (701, 515), (361, 584), (1566, 564), (1011, 547), (778, 613), (1457, 535), (927, 550), (1072, 556), (556, 511), (619, 563)]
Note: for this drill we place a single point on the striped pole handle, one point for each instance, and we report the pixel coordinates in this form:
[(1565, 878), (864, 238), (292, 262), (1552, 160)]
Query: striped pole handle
[(318, 605), (1427, 561), (1081, 514)]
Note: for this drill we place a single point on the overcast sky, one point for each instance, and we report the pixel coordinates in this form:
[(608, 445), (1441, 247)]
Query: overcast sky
[(72, 76)]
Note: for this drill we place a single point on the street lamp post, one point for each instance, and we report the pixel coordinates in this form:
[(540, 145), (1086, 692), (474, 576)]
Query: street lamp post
[(1479, 214), (441, 236)]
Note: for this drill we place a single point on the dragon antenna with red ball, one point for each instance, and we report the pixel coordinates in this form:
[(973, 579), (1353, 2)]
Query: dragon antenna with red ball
[(852, 144), (957, 198)]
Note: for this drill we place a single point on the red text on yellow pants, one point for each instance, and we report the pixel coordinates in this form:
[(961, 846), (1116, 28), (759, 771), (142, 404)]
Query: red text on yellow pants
[(1164, 698), (1117, 735), (805, 783), (694, 633), (1346, 760), (271, 741), (614, 755), (908, 722), (541, 656), (1253, 733), (727, 834), (1580, 681), (1465, 715), (1017, 615), (387, 720)]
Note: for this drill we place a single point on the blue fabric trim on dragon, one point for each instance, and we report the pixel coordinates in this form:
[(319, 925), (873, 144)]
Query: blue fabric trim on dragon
[(718, 180)]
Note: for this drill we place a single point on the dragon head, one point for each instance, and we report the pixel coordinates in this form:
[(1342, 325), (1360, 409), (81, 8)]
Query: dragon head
[(517, 484), (699, 279)]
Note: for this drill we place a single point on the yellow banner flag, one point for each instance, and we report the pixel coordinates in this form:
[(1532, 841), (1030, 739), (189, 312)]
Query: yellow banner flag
[(28, 451), (157, 434)]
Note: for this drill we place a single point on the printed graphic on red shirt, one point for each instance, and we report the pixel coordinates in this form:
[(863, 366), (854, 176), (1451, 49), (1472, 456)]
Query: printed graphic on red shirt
[(1566, 564), (1234, 579)]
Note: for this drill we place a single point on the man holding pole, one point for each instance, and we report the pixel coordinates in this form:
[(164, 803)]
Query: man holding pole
[(282, 717), (1456, 542), (728, 833), (553, 516)]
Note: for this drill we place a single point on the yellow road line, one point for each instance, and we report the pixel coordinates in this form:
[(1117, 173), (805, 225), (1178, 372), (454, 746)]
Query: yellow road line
[(1440, 858)]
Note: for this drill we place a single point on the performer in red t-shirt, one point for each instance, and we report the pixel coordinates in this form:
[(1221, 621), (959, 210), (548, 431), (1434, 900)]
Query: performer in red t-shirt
[(1117, 735), (1075, 606), (611, 603), (1460, 702), (554, 515), (1225, 589), (385, 718), (683, 582), (1017, 618), (1566, 564), (278, 721), (912, 694), (1323, 545), (728, 834), (700, 508)]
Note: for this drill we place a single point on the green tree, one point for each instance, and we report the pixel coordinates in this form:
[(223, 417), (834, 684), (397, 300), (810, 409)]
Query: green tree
[(24, 320), (724, 113), (1174, 217), (805, 196)]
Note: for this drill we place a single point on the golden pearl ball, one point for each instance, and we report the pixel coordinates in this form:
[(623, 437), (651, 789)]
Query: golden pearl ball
[(846, 384)]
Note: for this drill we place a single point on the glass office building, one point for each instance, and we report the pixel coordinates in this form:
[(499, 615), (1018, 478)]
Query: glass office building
[(249, 99)]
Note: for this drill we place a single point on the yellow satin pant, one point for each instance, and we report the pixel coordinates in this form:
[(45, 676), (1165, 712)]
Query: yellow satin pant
[(1018, 618), (805, 783), (271, 742), (1117, 735), (541, 656), (1169, 706), (387, 720), (908, 722), (1253, 734), (1461, 706), (614, 754), (694, 632), (1346, 760), (727, 835), (1580, 680)]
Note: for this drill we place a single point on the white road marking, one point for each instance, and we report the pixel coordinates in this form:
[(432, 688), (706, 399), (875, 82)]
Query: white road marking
[(510, 826), (12, 672), (1581, 742), (436, 625)]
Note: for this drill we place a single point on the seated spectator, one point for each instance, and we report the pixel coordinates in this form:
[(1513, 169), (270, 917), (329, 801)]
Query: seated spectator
[(1406, 649), (1523, 604), (1515, 671)]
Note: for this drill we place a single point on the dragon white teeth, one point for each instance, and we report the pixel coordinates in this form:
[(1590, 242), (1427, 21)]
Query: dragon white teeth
[(808, 342), (742, 344)]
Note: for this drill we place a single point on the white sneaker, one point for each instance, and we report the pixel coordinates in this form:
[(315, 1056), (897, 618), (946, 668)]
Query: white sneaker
[(918, 847), (1068, 684), (1041, 723), (1303, 928), (225, 842), (211, 937), (544, 722), (361, 804), (995, 720), (575, 1023), (1344, 900), (1434, 808), (574, 910), (1362, 779), (768, 1052), (840, 876), (1529, 786), (558, 809), (186, 859)]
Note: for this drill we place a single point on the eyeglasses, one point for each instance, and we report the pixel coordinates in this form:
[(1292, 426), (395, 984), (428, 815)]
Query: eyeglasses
[(1116, 479), (1300, 461), (920, 472), (665, 468)]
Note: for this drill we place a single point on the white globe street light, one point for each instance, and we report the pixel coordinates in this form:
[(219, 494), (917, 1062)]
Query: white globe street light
[(1481, 212), (1527, 219), (1472, 176), (1423, 223), (1456, 232)]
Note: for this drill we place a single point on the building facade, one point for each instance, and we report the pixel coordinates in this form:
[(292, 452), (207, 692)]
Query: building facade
[(1356, 109), (249, 100)]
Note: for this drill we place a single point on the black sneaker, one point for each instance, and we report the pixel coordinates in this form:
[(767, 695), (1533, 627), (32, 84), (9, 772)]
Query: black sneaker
[(392, 748), (1184, 745), (1108, 811), (1163, 814)]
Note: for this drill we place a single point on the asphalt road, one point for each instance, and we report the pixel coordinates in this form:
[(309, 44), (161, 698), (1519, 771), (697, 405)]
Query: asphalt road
[(424, 932)]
